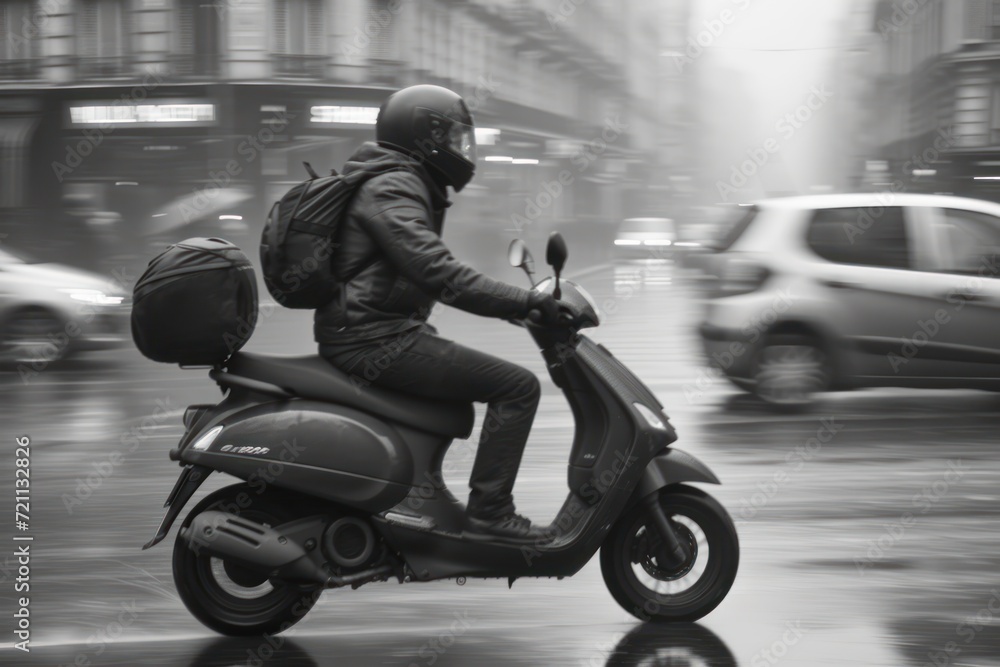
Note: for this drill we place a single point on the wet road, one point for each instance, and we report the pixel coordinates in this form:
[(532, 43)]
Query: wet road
[(870, 528)]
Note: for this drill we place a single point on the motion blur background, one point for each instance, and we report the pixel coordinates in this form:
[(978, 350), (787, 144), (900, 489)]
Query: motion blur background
[(868, 522), (121, 120)]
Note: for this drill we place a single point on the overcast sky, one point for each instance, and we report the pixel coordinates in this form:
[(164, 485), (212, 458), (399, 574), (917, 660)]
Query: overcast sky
[(778, 50)]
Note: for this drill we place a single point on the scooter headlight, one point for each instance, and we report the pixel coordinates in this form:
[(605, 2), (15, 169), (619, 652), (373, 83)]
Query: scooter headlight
[(207, 438), (651, 417)]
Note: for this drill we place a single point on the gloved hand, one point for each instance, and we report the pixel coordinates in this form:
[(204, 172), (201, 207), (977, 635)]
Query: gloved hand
[(546, 304)]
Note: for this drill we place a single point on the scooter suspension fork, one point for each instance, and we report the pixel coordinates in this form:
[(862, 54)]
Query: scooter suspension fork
[(675, 549)]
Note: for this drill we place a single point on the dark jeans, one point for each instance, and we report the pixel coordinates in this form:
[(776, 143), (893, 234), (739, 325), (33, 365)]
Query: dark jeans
[(426, 365)]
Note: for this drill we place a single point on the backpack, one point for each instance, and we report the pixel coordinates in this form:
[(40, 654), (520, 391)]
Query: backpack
[(299, 239)]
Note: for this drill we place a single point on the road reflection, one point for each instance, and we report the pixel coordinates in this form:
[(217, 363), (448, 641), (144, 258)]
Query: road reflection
[(253, 651), (648, 645), (653, 645)]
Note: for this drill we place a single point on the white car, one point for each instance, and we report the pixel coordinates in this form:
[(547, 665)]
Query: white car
[(49, 311), (829, 292)]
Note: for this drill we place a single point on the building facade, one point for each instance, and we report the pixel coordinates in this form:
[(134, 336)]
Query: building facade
[(937, 112), (154, 119)]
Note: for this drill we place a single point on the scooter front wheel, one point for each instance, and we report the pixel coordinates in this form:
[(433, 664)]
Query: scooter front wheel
[(231, 599), (648, 583)]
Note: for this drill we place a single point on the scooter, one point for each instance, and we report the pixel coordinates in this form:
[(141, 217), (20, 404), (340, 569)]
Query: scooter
[(342, 486)]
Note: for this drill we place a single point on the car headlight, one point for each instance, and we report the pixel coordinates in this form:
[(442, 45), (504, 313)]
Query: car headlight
[(92, 296)]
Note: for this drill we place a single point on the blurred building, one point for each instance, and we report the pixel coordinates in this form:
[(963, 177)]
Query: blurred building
[(937, 109), (675, 185), (153, 119), (853, 132)]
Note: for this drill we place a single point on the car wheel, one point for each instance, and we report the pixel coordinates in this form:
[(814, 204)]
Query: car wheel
[(790, 370), (30, 336)]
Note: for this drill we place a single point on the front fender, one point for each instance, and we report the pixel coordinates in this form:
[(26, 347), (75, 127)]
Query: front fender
[(671, 467)]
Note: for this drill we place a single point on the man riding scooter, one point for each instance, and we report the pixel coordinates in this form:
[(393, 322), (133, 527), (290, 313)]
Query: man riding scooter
[(394, 267)]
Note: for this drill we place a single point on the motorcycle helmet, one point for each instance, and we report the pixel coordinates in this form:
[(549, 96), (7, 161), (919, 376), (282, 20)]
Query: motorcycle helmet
[(432, 124)]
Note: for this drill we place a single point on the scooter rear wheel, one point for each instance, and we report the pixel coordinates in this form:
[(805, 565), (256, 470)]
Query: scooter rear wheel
[(641, 579), (233, 600)]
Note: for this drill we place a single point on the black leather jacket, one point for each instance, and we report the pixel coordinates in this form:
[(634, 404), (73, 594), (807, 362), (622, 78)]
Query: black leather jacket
[(392, 262)]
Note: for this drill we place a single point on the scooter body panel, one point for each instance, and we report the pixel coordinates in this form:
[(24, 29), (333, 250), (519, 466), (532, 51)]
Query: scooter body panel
[(329, 451)]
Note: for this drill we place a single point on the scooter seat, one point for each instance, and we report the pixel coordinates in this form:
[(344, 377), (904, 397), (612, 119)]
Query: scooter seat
[(315, 378)]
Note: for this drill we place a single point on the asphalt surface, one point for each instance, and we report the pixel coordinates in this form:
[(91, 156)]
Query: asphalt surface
[(869, 527)]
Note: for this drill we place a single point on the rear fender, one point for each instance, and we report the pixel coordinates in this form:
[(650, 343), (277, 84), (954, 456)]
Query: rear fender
[(190, 479)]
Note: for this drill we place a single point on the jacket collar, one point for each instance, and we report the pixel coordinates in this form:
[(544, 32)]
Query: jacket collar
[(439, 194)]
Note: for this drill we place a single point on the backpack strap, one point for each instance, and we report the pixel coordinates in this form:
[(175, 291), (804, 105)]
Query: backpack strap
[(312, 172)]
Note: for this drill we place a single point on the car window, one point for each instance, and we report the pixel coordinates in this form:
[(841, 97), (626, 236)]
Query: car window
[(867, 236), (972, 239)]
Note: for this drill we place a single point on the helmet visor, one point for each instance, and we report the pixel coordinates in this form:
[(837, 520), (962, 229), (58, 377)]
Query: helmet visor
[(462, 140)]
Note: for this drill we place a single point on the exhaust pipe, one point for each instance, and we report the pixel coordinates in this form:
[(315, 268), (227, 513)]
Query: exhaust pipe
[(252, 545)]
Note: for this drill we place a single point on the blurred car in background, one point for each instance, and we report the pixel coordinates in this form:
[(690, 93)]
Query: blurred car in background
[(645, 238), (809, 294), (50, 311)]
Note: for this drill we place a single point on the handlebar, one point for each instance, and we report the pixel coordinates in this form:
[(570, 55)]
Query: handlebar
[(566, 318)]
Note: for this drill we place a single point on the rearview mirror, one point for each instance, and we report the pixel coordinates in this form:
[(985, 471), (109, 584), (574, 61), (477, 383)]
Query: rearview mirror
[(518, 254), (520, 258), (556, 252), (555, 255)]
